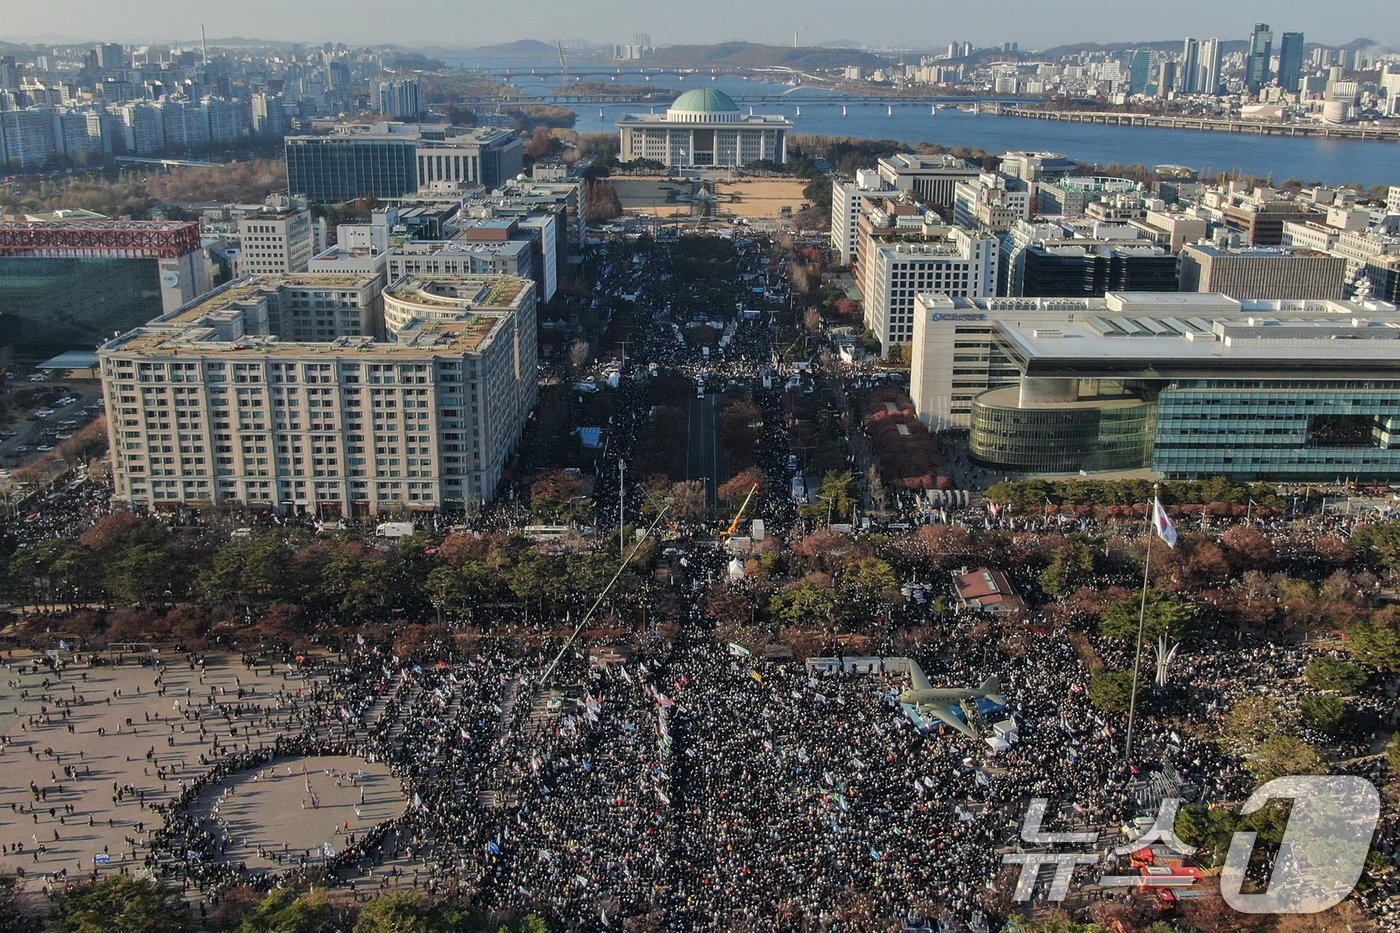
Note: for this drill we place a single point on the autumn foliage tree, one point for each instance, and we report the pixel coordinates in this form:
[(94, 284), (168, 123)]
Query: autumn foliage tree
[(603, 203), (734, 491), (236, 182), (539, 144)]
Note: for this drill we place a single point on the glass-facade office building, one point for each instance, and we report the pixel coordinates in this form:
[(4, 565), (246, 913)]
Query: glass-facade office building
[(1092, 435), (333, 170), (394, 160), (1306, 395), (1279, 429), (52, 304)]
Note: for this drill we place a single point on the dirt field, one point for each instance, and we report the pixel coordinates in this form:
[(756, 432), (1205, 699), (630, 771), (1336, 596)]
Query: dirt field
[(299, 804), (759, 197), (751, 198), (85, 752), (654, 196)]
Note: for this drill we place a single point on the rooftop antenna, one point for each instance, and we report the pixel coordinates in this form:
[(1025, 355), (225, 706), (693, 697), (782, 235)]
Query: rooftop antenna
[(204, 44)]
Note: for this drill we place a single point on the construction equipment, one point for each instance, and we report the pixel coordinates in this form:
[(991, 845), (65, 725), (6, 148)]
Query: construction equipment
[(733, 528)]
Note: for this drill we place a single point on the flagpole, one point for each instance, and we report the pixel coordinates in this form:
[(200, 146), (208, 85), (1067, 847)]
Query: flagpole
[(1142, 624)]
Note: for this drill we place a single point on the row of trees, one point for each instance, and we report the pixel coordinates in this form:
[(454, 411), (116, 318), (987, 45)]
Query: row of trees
[(131, 193), (1032, 495), (234, 182), (136, 578), (126, 905)]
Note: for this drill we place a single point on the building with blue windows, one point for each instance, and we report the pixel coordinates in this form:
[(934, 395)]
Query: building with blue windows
[(1186, 386), (395, 160)]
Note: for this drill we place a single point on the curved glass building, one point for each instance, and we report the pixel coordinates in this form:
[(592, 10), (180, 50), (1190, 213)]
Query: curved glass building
[(1061, 436), (1186, 385)]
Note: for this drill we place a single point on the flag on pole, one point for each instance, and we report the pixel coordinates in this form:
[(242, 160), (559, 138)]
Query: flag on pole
[(1163, 525)]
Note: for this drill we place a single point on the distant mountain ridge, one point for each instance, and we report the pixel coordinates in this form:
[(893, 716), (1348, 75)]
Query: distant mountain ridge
[(754, 55), (520, 48)]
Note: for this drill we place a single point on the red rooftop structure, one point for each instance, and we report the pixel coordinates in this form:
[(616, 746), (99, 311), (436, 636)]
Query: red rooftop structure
[(105, 239), (987, 589)]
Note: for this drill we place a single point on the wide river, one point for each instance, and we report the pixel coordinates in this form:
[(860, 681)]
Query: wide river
[(1331, 161)]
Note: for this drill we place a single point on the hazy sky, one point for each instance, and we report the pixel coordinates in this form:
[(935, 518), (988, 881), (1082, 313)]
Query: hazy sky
[(467, 23)]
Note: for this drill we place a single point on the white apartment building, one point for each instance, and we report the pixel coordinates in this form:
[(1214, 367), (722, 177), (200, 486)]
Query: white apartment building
[(845, 210), (287, 393), (942, 259), (275, 242)]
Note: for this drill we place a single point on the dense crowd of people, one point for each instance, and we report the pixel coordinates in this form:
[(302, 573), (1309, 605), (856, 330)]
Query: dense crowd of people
[(703, 788), (693, 785)]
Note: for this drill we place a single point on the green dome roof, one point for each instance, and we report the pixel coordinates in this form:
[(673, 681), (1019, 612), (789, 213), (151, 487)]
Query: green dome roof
[(704, 100)]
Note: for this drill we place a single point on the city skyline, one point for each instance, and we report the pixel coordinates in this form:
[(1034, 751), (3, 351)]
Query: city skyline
[(437, 24)]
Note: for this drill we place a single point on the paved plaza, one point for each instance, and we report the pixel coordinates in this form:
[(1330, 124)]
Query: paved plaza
[(300, 805), (90, 749)]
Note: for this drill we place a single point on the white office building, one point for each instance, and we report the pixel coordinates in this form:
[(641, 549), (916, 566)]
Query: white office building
[(930, 178), (989, 203), (276, 242), (845, 210), (942, 259), (955, 357)]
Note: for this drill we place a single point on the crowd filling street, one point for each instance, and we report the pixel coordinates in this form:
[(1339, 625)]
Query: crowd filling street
[(679, 765)]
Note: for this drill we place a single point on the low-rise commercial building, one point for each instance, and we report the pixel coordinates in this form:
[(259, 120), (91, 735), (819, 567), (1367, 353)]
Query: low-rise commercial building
[(461, 256), (1171, 229), (1071, 195)]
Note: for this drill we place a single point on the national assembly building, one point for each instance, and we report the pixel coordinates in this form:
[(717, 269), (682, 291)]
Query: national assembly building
[(704, 128)]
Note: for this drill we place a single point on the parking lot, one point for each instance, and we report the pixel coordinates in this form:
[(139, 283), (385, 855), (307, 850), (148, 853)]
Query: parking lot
[(39, 417)]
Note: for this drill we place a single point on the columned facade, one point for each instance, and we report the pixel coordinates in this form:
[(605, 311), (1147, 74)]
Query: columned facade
[(704, 128)]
